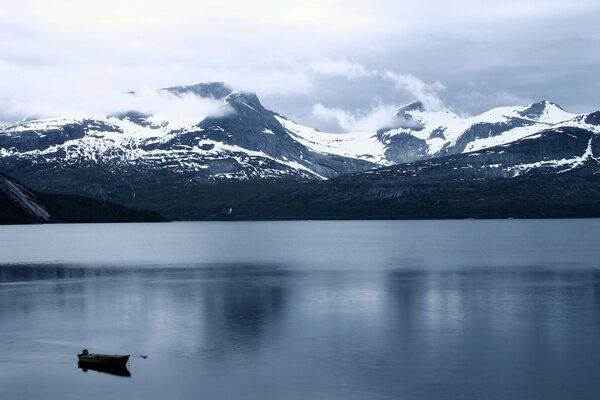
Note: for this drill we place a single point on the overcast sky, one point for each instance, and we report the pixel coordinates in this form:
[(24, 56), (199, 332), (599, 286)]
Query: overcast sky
[(336, 65)]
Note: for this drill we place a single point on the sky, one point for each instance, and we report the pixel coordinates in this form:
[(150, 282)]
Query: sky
[(335, 65)]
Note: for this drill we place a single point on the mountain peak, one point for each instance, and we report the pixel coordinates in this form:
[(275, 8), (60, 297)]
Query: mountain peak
[(536, 110), (412, 106), (404, 113), (217, 90)]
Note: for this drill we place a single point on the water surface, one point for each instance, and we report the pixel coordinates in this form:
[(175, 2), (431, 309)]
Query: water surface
[(297, 310)]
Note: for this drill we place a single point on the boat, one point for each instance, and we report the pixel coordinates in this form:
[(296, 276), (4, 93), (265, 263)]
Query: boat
[(102, 359)]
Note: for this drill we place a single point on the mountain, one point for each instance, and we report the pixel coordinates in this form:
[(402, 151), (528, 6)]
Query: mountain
[(108, 157), (554, 173), (244, 153), (21, 205), (422, 134)]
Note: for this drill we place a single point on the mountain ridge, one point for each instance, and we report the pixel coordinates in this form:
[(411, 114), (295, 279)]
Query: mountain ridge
[(146, 161)]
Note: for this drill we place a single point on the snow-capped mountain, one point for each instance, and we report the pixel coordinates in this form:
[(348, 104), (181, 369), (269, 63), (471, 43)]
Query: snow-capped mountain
[(108, 157), (552, 173), (573, 145), (244, 144), (125, 156), (423, 134)]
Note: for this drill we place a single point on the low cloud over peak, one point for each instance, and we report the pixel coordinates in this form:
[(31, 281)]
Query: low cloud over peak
[(342, 55), (375, 117), (99, 103), (426, 93)]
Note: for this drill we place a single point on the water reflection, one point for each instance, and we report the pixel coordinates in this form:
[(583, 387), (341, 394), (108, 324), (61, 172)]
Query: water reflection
[(270, 331), (40, 272), (514, 332), (239, 311), (120, 370)]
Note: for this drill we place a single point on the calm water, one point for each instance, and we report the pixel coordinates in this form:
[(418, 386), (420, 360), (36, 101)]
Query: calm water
[(304, 310)]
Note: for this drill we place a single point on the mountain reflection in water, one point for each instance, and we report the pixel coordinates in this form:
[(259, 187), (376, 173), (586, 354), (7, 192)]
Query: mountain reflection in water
[(380, 327)]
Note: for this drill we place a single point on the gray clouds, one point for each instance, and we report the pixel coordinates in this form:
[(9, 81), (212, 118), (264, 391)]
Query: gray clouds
[(297, 55), (341, 67), (375, 117)]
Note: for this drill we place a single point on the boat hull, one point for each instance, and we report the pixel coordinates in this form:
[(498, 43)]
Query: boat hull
[(104, 359)]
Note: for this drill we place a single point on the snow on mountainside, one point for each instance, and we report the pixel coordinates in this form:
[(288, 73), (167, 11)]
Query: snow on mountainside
[(424, 134), (118, 153), (246, 142), (552, 151), (552, 173), (363, 145), (188, 169)]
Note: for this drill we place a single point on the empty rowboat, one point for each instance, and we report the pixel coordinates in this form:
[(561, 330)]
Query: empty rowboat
[(102, 359)]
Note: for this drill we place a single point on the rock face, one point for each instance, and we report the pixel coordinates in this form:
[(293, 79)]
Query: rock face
[(21, 205), (404, 147), (593, 119)]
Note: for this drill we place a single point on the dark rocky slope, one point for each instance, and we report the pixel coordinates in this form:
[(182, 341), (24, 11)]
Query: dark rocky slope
[(20, 205)]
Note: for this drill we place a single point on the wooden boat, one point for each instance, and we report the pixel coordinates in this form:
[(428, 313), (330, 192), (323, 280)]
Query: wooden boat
[(102, 359)]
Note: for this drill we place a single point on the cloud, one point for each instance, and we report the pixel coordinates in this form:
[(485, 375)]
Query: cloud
[(187, 107), (56, 90), (341, 67), (293, 55), (373, 118), (474, 99), (82, 95), (163, 105), (426, 93), (276, 83)]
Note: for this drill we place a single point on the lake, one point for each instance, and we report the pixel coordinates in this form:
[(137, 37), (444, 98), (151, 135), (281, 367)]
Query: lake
[(497, 309)]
